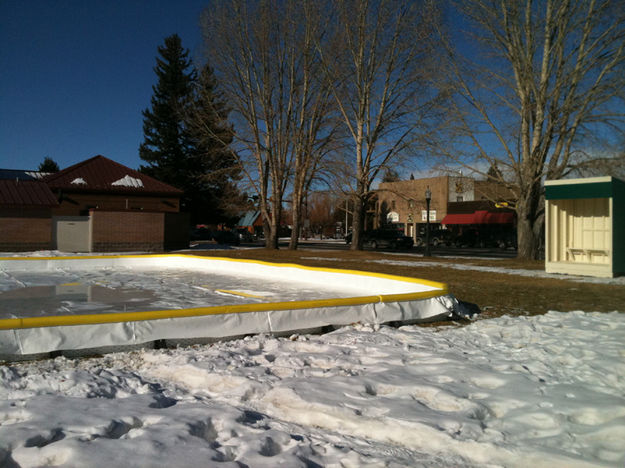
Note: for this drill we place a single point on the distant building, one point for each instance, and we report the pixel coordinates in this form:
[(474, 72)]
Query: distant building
[(97, 205), (403, 203), (251, 222), (26, 206)]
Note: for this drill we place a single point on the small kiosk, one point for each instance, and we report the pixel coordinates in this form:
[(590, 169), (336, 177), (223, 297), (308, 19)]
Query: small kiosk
[(585, 226)]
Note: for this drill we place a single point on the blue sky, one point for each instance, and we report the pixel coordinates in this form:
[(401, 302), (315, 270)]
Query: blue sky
[(75, 75)]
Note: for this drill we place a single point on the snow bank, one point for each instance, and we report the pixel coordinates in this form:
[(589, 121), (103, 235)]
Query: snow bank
[(523, 391)]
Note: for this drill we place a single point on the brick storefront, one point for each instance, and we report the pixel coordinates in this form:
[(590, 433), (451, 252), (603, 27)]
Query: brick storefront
[(403, 203)]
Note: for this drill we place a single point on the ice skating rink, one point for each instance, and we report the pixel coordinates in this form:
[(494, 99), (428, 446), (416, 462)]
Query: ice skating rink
[(70, 303)]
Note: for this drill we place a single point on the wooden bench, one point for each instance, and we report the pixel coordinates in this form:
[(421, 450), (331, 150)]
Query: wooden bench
[(572, 251)]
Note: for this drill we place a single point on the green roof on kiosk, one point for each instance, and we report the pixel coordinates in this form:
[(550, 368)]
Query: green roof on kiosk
[(593, 187)]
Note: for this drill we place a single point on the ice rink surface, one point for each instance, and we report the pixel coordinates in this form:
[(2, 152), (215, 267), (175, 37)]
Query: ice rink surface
[(101, 290)]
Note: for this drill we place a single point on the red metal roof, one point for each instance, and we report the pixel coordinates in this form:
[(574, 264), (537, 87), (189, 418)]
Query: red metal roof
[(26, 193), (480, 217), (100, 174)]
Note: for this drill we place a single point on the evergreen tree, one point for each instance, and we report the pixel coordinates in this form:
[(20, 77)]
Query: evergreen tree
[(494, 173), (48, 165), (167, 147), (390, 175), (187, 136), (216, 194)]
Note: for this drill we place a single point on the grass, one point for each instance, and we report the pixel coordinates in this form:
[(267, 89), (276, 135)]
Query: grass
[(495, 293)]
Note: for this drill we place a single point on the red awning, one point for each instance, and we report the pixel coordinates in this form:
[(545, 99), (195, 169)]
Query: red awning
[(459, 219), (480, 217)]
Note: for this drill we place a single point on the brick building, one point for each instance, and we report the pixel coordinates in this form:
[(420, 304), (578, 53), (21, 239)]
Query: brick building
[(403, 203), (25, 212), (100, 205)]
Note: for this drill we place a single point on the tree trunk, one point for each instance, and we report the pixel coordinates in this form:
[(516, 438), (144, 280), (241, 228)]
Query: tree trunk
[(270, 227), (527, 245), (276, 205), (298, 201), (297, 225), (271, 237), (267, 232), (528, 237), (357, 224)]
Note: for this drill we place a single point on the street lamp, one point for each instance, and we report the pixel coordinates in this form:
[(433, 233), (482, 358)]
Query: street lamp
[(428, 197)]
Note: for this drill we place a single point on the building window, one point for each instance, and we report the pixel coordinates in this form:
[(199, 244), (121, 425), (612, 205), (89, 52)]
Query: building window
[(393, 205), (459, 199)]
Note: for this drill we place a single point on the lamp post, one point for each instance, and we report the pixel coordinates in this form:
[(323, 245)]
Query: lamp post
[(411, 221), (428, 197)]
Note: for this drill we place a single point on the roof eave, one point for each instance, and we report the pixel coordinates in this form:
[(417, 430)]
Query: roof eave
[(116, 191)]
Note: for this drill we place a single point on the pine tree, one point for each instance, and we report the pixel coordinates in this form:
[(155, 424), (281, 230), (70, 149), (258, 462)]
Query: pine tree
[(187, 136), (494, 173), (390, 175), (216, 194), (48, 165), (167, 147)]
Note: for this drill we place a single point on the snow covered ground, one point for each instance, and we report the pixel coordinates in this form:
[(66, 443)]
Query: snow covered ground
[(524, 391)]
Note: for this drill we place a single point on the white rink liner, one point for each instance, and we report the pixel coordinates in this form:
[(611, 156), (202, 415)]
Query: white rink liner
[(341, 297)]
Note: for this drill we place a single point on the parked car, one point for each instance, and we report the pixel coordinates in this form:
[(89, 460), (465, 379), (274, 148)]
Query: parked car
[(441, 237), (386, 238), (245, 235), (468, 238), (507, 240), (220, 237), (226, 237), (437, 237), (201, 233), (473, 237)]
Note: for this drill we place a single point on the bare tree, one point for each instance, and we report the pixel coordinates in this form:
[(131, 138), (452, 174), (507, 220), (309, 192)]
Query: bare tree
[(313, 129), (549, 88), (245, 44), (323, 212), (609, 163), (378, 63), (264, 52)]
